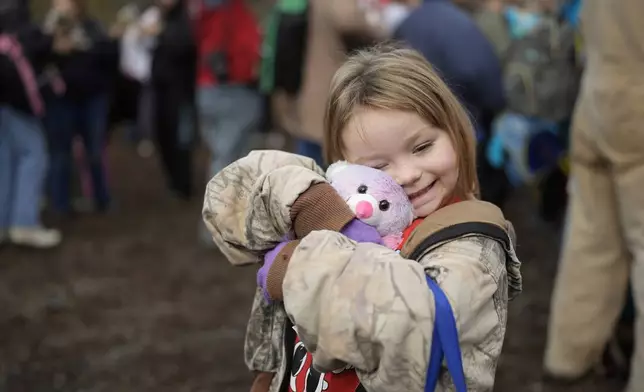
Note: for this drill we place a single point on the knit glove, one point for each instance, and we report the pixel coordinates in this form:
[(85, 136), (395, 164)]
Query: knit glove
[(359, 231), (269, 260), (271, 274)]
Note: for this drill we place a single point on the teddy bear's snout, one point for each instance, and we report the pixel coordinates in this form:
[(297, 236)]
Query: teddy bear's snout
[(364, 210)]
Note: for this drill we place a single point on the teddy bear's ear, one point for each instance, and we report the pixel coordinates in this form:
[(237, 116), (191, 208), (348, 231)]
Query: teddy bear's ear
[(335, 168)]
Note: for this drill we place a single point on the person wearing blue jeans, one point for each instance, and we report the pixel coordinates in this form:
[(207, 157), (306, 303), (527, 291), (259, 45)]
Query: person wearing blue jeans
[(174, 64), (23, 167), (229, 115), (88, 65), (67, 118), (24, 53)]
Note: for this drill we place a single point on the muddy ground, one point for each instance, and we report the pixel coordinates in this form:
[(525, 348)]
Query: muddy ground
[(131, 302)]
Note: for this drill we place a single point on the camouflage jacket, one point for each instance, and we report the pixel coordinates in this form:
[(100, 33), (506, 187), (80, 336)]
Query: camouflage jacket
[(357, 304)]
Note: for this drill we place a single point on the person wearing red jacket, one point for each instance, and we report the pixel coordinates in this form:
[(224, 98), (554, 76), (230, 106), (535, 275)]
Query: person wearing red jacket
[(229, 104), (229, 41)]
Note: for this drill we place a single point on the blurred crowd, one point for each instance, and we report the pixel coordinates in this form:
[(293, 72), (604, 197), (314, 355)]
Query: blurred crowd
[(177, 73)]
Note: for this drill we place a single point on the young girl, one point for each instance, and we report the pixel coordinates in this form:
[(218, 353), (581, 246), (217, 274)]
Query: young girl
[(357, 305)]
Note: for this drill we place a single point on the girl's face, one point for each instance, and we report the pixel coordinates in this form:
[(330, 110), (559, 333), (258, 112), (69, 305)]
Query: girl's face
[(419, 156)]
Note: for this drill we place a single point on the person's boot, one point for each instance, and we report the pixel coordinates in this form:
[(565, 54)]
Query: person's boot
[(35, 237)]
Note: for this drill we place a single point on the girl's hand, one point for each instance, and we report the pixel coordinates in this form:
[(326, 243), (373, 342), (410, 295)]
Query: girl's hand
[(262, 274), (361, 232), (279, 257)]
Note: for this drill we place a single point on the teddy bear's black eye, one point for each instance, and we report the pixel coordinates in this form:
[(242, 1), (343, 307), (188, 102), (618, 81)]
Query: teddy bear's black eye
[(362, 189), (384, 205)]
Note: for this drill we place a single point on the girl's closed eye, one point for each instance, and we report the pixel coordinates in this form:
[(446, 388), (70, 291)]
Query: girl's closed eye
[(422, 147), (379, 166)]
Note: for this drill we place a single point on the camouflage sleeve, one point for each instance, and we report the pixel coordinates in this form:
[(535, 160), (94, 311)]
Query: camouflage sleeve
[(365, 306), (263, 343), (247, 205)]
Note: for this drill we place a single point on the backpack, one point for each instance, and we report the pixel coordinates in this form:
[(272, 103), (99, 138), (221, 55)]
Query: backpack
[(542, 77)]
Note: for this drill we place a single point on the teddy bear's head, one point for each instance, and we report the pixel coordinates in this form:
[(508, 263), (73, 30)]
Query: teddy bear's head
[(374, 197)]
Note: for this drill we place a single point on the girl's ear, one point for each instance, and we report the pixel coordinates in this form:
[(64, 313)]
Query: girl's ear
[(335, 168)]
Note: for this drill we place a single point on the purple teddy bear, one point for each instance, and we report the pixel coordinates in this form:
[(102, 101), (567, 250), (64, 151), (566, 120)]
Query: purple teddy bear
[(377, 201), (375, 198)]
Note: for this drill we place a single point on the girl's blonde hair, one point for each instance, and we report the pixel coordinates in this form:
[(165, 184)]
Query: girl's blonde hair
[(391, 77)]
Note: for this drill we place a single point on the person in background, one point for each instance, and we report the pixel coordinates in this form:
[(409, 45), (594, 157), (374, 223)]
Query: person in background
[(88, 67), (529, 139), (137, 46), (229, 102), (335, 27), (173, 85), (491, 20), (499, 19), (452, 42), (24, 51), (230, 106), (604, 243)]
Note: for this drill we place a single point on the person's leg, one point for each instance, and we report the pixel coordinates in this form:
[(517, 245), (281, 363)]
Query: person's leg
[(92, 128), (128, 97), (145, 121), (82, 177), (593, 273), (60, 130), (628, 155), (240, 123), (167, 111), (6, 172), (30, 171), (184, 143), (80, 174), (207, 101), (229, 115), (208, 126), (30, 165)]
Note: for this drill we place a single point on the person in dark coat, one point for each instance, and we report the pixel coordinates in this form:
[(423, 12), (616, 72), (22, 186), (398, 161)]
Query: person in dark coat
[(88, 65), (173, 81), (450, 39)]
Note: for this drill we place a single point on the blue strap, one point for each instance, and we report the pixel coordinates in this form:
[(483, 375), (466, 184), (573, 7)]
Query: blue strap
[(435, 359), (444, 343)]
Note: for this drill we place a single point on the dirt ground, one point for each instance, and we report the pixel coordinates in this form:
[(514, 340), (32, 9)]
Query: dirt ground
[(131, 302)]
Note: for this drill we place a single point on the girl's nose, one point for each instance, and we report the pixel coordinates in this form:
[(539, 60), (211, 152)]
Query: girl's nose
[(364, 210), (407, 175)]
